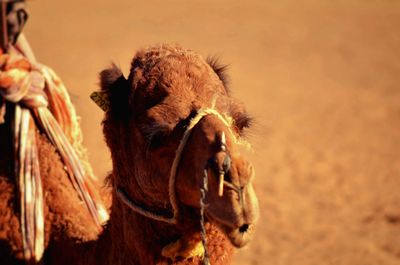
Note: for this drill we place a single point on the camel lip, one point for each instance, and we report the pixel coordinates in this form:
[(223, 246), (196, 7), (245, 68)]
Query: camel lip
[(239, 236)]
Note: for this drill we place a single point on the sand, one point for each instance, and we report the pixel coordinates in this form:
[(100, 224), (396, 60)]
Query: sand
[(320, 77)]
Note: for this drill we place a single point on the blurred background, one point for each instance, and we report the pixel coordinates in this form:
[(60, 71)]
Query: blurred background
[(320, 77)]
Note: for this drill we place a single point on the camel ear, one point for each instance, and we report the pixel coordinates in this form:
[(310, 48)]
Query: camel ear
[(115, 86), (220, 69)]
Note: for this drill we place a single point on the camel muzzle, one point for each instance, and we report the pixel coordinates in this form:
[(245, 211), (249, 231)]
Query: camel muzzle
[(239, 222)]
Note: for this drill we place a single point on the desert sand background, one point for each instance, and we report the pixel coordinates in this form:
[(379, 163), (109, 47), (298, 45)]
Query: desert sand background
[(322, 80)]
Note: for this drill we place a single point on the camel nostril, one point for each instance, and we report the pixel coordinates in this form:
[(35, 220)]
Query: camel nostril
[(243, 228), (228, 177), (226, 165)]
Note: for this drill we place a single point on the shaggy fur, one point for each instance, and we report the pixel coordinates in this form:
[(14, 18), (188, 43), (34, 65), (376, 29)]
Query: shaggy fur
[(65, 214)]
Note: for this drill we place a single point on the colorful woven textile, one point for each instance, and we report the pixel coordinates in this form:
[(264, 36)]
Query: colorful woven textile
[(42, 102)]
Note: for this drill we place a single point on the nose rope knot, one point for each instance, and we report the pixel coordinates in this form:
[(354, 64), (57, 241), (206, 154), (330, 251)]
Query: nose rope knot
[(238, 189)]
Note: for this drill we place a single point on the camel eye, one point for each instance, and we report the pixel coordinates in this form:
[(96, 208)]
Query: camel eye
[(157, 140), (155, 134), (182, 124), (158, 133)]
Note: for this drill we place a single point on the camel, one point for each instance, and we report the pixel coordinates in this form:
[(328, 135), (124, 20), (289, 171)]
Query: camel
[(171, 119), (171, 127)]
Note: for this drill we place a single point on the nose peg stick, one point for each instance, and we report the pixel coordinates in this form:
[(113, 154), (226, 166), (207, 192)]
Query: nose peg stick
[(221, 183), (223, 141)]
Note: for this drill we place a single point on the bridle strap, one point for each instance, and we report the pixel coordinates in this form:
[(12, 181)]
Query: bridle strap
[(238, 189)]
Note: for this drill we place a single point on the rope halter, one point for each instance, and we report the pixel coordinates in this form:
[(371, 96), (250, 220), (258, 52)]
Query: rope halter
[(124, 197)]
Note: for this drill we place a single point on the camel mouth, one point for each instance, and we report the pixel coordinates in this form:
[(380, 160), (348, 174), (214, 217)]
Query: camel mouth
[(239, 236)]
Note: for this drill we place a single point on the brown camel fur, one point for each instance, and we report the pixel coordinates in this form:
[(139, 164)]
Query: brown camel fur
[(147, 117), (66, 217)]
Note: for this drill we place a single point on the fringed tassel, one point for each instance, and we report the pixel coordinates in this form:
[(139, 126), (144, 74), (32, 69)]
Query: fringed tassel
[(71, 160), (60, 103), (2, 110), (39, 212), (30, 185)]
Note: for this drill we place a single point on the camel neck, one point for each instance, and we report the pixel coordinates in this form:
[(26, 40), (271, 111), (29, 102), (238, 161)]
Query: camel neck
[(112, 247), (128, 238), (140, 237)]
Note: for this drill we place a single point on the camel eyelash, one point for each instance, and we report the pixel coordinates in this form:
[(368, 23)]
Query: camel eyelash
[(243, 121)]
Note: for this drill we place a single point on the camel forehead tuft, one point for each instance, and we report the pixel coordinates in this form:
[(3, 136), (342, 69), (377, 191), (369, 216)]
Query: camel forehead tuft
[(163, 59), (169, 73), (162, 50), (148, 57)]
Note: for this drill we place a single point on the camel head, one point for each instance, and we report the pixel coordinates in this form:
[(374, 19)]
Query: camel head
[(150, 113)]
